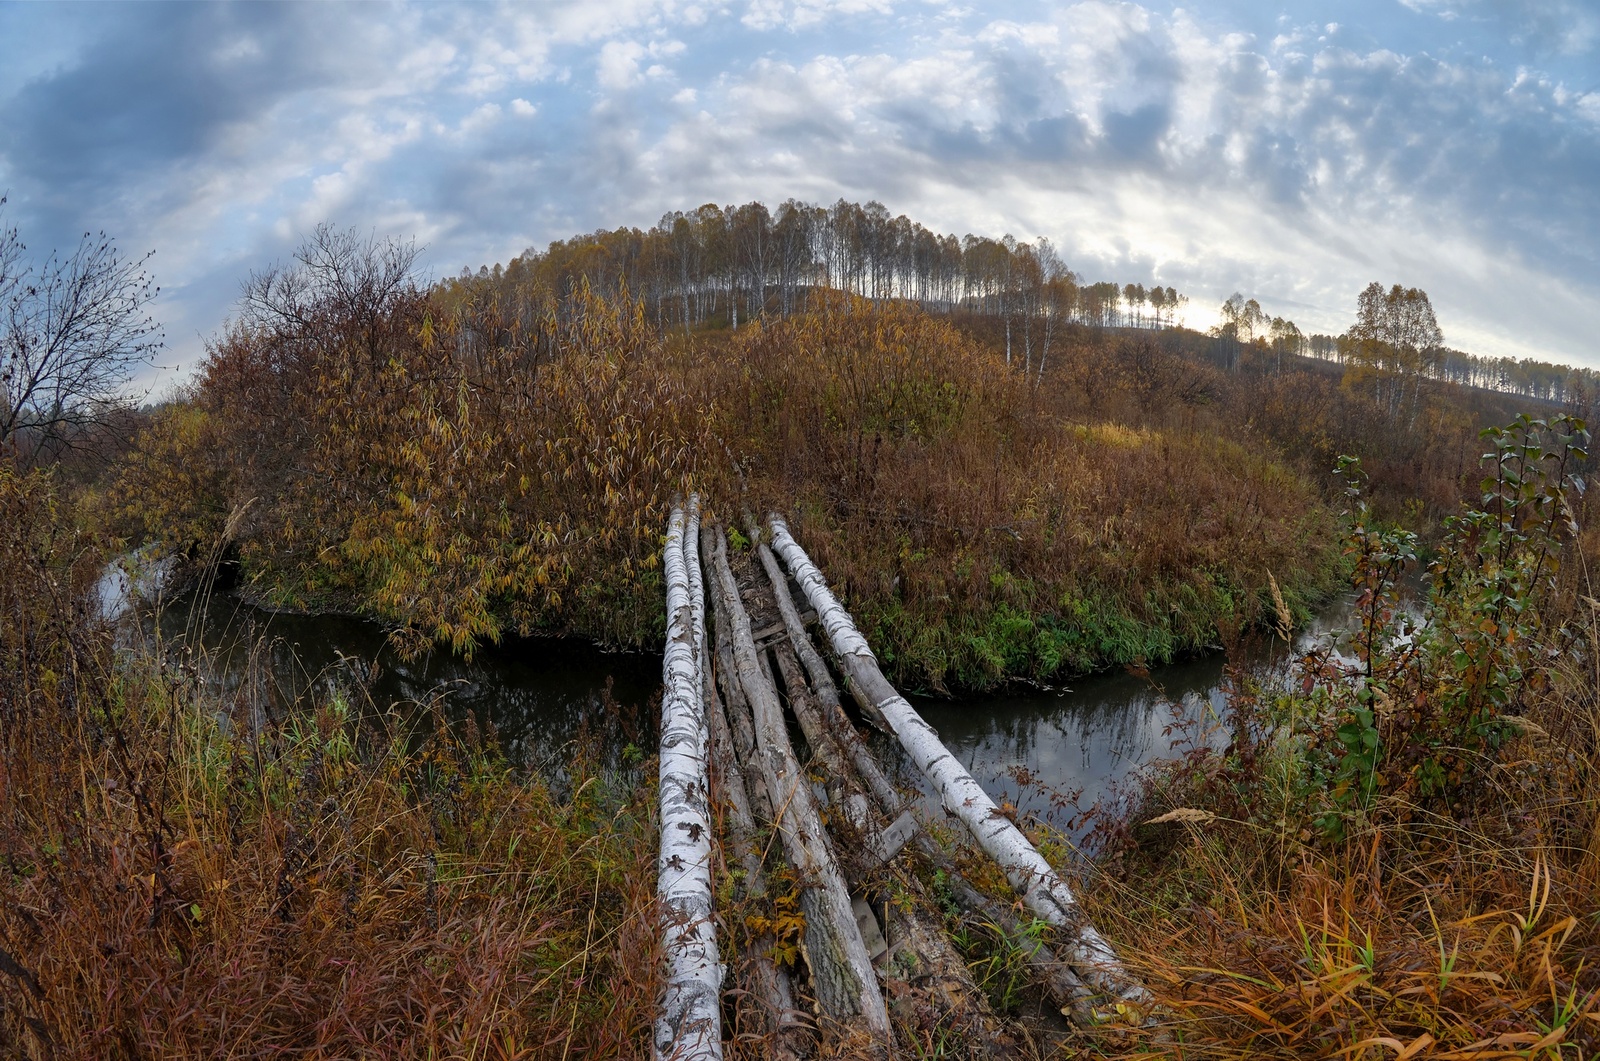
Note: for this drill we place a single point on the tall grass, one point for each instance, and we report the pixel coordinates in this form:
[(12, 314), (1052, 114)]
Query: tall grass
[(175, 882), (1395, 856)]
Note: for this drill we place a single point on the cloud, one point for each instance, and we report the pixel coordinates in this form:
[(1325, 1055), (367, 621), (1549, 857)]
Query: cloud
[(1293, 161), (803, 14), (1330, 166), (1560, 27)]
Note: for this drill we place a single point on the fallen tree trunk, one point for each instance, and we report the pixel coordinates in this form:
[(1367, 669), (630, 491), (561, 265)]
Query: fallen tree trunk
[(841, 969), (768, 998), (1069, 994), (1041, 888), (834, 719), (769, 992), (936, 977), (825, 751), (690, 1024)]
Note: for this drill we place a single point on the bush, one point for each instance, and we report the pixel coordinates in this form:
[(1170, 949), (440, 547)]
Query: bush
[(1395, 852)]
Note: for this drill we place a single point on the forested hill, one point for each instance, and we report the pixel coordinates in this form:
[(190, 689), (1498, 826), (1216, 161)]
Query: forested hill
[(1007, 477), (727, 264)]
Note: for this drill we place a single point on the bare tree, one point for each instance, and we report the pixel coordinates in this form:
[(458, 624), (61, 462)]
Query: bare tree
[(75, 332), (357, 278)]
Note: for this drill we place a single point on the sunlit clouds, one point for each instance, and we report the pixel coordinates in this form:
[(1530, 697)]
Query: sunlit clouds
[(1448, 144)]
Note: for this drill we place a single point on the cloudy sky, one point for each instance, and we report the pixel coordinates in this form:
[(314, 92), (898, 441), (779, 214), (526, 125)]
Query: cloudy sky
[(1220, 146)]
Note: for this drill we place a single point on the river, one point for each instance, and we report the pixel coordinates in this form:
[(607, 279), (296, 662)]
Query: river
[(1050, 752)]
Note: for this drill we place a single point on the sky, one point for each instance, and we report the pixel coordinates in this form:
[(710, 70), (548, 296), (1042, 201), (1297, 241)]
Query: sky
[(1220, 146)]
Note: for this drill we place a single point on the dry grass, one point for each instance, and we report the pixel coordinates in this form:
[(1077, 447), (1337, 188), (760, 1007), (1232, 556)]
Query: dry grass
[(1466, 927), (175, 885), (1476, 949)]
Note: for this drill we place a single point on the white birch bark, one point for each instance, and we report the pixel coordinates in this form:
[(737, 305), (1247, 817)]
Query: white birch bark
[(690, 1024), (1041, 888), (836, 722)]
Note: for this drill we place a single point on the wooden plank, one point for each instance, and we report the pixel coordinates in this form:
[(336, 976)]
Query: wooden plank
[(883, 846)]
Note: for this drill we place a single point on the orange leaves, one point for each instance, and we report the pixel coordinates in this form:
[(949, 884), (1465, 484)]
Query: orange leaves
[(453, 460), (485, 455)]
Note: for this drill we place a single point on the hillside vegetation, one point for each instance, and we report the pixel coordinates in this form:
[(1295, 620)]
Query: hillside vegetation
[(472, 459), (1395, 857)]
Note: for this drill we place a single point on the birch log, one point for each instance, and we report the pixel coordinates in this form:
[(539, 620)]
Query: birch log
[(690, 1024), (1059, 982), (742, 732), (938, 970), (841, 969), (769, 986), (1041, 888), (835, 721)]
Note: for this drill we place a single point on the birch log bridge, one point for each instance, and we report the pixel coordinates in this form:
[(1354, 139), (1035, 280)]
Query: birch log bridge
[(876, 972), (690, 1025), (1040, 886)]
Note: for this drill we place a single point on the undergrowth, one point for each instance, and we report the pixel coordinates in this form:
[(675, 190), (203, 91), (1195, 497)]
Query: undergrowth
[(1394, 852), (177, 882), (502, 461)]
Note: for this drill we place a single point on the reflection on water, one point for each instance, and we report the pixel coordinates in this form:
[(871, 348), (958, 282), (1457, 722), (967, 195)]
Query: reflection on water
[(1074, 745), (1072, 748), (542, 695), (539, 694)]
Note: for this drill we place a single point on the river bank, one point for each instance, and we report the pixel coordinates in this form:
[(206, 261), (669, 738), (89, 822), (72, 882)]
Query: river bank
[(982, 526), (547, 700)]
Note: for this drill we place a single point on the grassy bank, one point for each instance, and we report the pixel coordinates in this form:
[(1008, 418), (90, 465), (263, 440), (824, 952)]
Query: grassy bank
[(469, 461), (175, 883), (1399, 857)]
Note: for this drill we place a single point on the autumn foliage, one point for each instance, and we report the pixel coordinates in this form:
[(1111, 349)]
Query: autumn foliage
[(475, 459), (178, 882)]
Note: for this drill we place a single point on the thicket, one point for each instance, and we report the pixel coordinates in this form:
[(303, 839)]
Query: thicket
[(1393, 852), (1421, 464), (470, 460), (981, 525), (180, 879)]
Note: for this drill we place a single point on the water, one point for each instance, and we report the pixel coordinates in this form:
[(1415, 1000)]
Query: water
[(1050, 753), (1055, 754), (540, 696), (129, 580)]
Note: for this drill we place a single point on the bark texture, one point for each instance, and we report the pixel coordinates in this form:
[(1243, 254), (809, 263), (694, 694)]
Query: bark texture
[(926, 978), (1041, 888), (767, 1004), (842, 976), (690, 1025)]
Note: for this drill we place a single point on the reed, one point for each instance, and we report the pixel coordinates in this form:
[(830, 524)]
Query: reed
[(177, 883)]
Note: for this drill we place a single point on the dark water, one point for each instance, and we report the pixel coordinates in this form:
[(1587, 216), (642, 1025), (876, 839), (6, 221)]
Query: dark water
[(1051, 753), (540, 696), (1055, 755)]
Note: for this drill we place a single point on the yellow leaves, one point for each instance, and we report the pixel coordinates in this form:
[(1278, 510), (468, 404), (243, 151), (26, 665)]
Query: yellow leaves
[(786, 926)]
